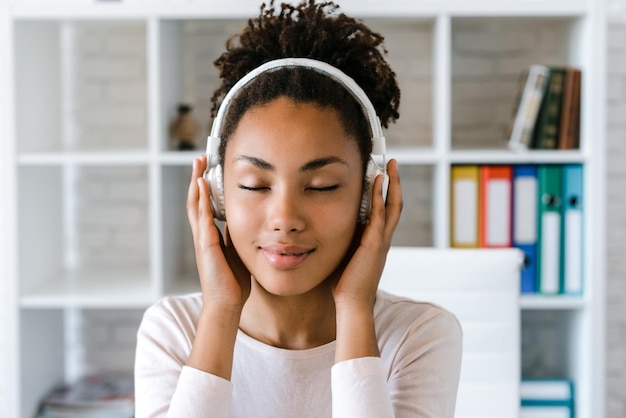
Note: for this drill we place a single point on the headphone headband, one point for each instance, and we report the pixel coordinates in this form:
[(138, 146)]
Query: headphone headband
[(378, 139), (213, 173)]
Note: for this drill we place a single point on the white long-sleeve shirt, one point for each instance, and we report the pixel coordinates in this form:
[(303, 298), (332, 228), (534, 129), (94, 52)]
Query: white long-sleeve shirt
[(416, 375)]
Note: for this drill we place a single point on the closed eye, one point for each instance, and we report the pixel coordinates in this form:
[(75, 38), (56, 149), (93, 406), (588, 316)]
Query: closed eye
[(324, 189), (253, 189)]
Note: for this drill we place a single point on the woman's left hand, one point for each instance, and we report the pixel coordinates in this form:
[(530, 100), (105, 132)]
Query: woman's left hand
[(365, 260)]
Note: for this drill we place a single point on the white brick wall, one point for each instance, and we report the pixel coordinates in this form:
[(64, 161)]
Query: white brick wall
[(102, 340), (107, 102), (111, 218), (409, 45), (107, 111)]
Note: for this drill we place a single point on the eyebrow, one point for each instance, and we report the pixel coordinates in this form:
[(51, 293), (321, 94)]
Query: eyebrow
[(309, 166)]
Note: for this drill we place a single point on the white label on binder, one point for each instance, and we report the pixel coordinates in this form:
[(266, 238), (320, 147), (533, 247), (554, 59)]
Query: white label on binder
[(545, 390), (498, 212), (573, 253), (525, 210), (465, 212), (545, 412), (550, 252)]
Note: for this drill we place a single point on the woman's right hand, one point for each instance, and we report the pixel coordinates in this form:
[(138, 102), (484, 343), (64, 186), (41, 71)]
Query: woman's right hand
[(224, 279)]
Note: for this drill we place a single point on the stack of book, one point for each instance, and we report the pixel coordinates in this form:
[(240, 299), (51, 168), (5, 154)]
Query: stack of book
[(547, 110), (96, 396), (547, 398), (536, 208)]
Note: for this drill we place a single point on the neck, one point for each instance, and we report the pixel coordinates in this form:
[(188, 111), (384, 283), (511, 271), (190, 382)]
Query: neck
[(291, 322)]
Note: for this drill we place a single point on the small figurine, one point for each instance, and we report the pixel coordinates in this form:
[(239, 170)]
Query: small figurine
[(184, 129)]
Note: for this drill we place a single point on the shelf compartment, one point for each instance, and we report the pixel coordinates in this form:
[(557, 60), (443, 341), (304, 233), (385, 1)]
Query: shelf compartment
[(188, 76), (84, 235), (410, 45), (488, 57), (81, 86), (416, 226), (42, 356), (187, 50), (180, 274), (553, 346)]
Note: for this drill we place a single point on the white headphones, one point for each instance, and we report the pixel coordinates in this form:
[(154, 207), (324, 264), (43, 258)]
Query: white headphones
[(213, 173)]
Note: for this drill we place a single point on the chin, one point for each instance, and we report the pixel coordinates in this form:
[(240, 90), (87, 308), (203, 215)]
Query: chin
[(285, 285)]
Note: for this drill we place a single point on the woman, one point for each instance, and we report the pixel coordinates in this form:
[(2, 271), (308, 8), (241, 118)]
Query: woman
[(290, 321)]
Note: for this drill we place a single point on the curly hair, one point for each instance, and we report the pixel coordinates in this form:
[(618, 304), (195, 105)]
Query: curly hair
[(316, 31)]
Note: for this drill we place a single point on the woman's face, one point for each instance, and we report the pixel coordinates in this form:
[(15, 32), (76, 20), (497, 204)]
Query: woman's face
[(292, 190)]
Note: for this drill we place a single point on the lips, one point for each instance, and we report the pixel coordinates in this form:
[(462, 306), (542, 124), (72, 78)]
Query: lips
[(285, 257)]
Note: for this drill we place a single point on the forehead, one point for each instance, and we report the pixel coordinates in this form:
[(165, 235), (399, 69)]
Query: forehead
[(283, 128)]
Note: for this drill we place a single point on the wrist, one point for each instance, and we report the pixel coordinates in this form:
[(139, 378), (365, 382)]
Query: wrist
[(214, 342), (356, 332), (355, 304), (220, 313)]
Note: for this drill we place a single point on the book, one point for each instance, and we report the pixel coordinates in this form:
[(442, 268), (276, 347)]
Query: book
[(531, 90), (92, 396), (464, 206), (546, 133), (569, 131)]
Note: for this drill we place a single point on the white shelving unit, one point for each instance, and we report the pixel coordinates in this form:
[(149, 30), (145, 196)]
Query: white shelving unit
[(50, 168)]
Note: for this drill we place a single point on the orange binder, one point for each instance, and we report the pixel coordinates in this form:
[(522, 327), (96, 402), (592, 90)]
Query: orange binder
[(495, 206), (464, 206)]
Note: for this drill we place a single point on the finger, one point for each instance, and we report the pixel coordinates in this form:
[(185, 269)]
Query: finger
[(377, 212), (394, 202), (193, 194), (205, 214)]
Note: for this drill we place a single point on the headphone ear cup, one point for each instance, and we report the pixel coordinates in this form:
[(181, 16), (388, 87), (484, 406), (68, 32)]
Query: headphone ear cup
[(366, 199), (215, 181)]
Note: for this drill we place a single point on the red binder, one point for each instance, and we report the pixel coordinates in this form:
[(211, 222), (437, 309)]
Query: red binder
[(496, 206)]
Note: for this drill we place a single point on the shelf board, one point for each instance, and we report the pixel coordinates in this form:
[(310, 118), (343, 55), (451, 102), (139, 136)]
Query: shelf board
[(183, 285), (538, 302), (101, 10), (179, 157), (504, 156), (413, 155), (107, 10), (86, 158), (97, 289)]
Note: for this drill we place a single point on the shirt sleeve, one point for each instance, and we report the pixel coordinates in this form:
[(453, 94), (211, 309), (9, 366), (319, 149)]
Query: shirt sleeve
[(164, 386), (425, 370), (359, 389), (417, 378)]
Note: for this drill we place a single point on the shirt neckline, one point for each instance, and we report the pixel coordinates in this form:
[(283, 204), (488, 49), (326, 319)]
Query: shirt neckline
[(285, 353)]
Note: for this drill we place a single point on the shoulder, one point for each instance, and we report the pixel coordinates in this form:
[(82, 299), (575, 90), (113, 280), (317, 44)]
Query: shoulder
[(401, 321), (181, 312)]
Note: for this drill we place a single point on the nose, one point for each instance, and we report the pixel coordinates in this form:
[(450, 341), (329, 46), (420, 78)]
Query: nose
[(286, 211)]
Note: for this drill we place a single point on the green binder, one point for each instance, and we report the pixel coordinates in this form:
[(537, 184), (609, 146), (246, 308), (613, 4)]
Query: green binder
[(549, 229)]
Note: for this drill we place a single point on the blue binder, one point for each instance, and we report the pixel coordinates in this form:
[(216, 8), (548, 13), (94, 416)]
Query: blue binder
[(525, 207), (572, 229)]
